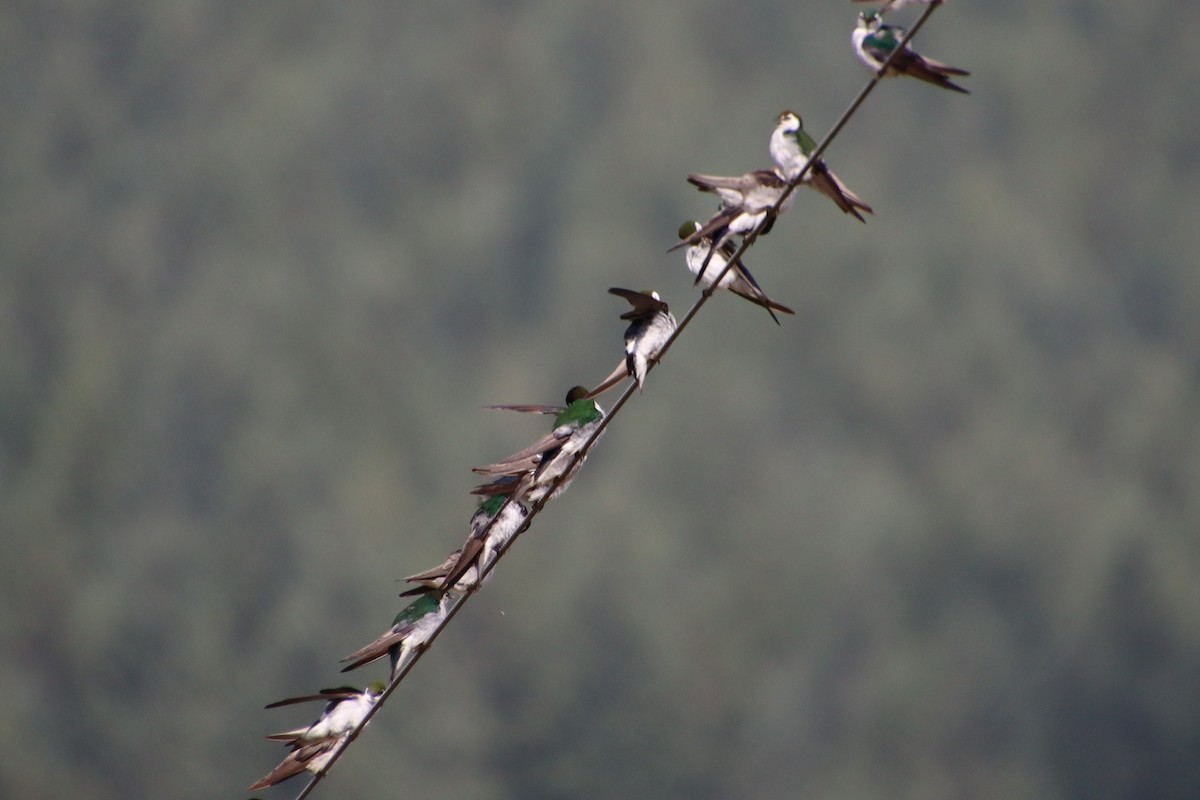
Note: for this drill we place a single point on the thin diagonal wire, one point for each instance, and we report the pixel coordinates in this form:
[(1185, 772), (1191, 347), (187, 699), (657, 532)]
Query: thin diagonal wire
[(459, 599)]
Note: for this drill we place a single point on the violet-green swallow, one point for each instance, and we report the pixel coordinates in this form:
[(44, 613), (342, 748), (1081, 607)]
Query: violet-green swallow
[(650, 326), (746, 202), (529, 473), (791, 147), (874, 41), (313, 745), (492, 525), (737, 279), (411, 630), (745, 199)]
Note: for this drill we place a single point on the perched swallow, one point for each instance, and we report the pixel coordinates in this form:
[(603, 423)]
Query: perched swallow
[(411, 630), (874, 41), (791, 147), (313, 745), (492, 526), (529, 473), (747, 202), (651, 325), (737, 279)]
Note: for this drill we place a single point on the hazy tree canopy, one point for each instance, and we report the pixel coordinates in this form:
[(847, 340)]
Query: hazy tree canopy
[(935, 536)]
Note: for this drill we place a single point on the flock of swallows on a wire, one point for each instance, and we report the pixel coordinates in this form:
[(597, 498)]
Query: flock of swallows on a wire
[(542, 471)]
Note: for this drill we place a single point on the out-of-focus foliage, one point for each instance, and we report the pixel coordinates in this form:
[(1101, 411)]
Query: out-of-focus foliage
[(934, 537)]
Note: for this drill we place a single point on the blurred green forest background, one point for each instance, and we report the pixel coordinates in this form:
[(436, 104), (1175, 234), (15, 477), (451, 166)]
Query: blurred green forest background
[(261, 264)]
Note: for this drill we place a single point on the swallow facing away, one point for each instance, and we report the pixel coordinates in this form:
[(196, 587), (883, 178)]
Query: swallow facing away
[(873, 42), (528, 474), (791, 148), (651, 324), (411, 630), (313, 745), (736, 279)]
